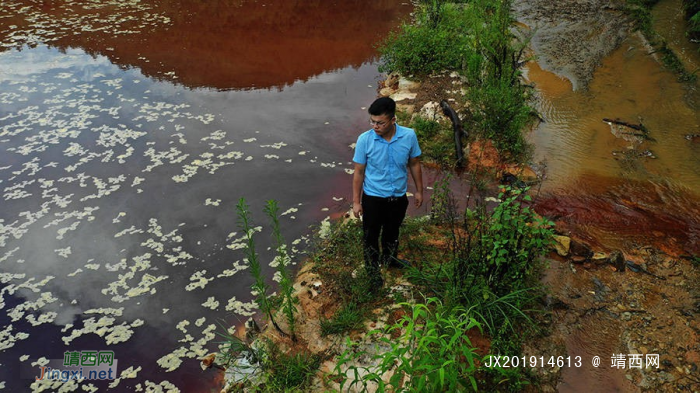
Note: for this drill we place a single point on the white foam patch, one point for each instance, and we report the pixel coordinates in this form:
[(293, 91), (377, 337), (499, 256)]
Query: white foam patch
[(211, 303), (237, 267), (212, 202), (162, 387), (198, 280), (277, 145), (103, 327), (195, 349), (240, 308), (8, 339)]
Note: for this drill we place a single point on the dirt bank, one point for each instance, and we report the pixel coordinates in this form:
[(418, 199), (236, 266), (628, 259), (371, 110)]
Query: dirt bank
[(571, 37)]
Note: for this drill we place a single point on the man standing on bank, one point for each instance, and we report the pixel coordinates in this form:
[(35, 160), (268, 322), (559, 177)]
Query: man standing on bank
[(383, 157)]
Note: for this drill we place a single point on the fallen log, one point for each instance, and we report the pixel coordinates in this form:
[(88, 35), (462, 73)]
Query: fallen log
[(458, 130)]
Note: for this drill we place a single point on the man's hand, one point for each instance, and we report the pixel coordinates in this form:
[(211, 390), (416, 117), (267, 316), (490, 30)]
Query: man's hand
[(357, 209), (418, 196), (417, 174)]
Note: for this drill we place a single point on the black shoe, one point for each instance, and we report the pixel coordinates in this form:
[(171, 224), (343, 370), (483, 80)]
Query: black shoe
[(376, 283), (399, 263)]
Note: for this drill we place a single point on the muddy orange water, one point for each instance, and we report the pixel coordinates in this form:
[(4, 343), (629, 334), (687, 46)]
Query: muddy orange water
[(669, 21), (612, 183), (614, 188), (129, 131), (631, 86)]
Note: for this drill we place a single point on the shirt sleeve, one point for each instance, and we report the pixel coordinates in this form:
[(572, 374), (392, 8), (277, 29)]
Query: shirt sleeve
[(415, 149), (360, 156)]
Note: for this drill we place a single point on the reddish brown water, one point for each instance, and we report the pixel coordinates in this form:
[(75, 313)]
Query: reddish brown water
[(224, 45), (129, 131), (616, 214)]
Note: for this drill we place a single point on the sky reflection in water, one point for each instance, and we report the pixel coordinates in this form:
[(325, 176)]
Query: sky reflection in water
[(118, 227)]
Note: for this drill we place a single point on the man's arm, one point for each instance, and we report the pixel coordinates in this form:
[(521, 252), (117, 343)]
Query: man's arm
[(358, 178), (417, 175)]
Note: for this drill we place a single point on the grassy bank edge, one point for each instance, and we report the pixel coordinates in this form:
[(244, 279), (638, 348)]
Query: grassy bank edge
[(640, 12)]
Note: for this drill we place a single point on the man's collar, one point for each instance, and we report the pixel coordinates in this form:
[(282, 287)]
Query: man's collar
[(397, 134)]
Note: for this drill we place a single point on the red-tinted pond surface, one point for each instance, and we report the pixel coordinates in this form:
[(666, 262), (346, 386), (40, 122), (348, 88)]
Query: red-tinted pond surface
[(129, 131)]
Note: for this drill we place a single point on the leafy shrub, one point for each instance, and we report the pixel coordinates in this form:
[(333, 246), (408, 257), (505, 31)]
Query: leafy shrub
[(427, 46), (694, 27), (437, 141), (513, 241), (501, 112), (499, 101), (493, 266), (431, 354)]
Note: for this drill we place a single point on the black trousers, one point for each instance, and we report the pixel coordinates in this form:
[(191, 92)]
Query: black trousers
[(381, 217)]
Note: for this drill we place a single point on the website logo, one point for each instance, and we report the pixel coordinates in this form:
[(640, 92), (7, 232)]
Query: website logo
[(80, 365)]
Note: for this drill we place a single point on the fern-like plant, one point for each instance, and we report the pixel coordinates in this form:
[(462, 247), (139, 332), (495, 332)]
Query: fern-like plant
[(289, 301)]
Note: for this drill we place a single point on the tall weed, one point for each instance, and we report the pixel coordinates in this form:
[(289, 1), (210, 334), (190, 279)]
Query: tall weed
[(431, 354), (260, 288), (289, 301)]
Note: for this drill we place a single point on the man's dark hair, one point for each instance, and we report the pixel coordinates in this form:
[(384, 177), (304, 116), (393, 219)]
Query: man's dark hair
[(383, 106)]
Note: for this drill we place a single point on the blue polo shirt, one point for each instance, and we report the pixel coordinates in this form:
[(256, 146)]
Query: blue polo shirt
[(386, 171)]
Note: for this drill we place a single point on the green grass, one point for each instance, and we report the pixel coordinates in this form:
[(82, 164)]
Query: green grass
[(288, 372), (437, 142), (424, 46), (477, 41), (479, 268), (432, 353), (339, 262), (504, 113), (348, 317)]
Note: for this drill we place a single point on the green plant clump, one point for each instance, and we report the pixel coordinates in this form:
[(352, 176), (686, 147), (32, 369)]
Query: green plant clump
[(349, 317), (339, 263), (493, 69), (437, 141), (692, 15), (432, 354), (287, 372), (282, 260), (434, 42), (494, 263), (502, 115), (259, 287)]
